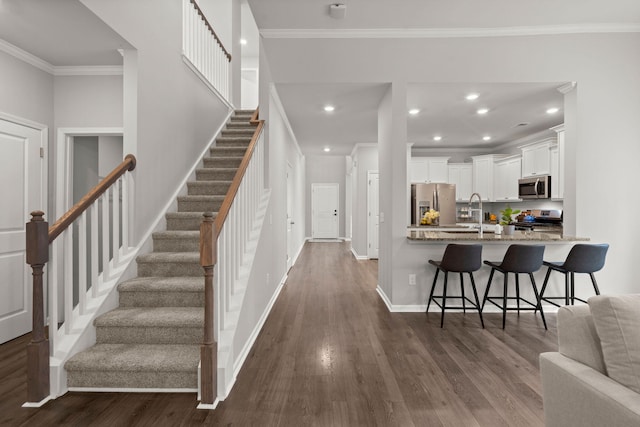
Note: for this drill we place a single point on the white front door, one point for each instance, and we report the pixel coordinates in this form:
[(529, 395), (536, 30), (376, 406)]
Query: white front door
[(373, 218), (21, 192), (324, 208)]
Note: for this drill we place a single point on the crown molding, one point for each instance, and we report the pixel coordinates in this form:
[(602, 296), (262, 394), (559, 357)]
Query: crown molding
[(417, 33), (25, 56), (88, 70), (85, 70)]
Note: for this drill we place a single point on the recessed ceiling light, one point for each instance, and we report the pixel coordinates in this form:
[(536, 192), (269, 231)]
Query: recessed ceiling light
[(437, 138), (472, 97), (243, 41), (553, 110), (327, 149), (486, 138), (414, 111), (482, 111), (329, 108)]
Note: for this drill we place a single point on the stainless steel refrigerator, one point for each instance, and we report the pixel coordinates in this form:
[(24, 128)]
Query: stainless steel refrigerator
[(440, 197)]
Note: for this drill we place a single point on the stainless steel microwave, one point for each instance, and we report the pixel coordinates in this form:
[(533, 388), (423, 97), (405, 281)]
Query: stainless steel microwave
[(538, 187)]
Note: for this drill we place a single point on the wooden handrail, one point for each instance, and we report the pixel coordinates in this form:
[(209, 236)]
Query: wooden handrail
[(128, 164), (204, 18), (237, 179)]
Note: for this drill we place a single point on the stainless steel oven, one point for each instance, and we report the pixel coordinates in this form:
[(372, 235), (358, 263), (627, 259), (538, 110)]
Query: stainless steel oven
[(535, 188)]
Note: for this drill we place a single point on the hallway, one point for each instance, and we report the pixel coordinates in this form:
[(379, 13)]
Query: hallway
[(330, 354)]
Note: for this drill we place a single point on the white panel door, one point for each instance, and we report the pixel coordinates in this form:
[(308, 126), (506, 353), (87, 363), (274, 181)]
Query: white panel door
[(324, 211), (21, 192), (373, 222)]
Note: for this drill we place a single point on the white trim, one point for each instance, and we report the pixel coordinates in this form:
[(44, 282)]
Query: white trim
[(133, 390), (427, 33), (204, 80), (73, 70), (22, 121), (25, 56), (36, 404), (88, 70), (242, 356), (358, 257), (278, 103)]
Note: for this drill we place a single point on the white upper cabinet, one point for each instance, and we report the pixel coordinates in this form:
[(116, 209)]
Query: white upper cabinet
[(461, 174), (483, 175), (429, 169), (507, 173), (536, 158), (557, 165)]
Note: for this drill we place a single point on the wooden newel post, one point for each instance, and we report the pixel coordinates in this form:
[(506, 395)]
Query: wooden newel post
[(38, 349), (208, 349)]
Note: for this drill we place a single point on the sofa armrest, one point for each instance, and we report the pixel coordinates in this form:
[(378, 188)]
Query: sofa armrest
[(576, 395)]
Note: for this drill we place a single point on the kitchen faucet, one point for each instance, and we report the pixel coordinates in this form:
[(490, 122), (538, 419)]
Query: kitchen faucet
[(477, 210)]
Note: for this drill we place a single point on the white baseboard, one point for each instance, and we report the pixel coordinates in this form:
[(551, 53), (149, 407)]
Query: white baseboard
[(358, 257)]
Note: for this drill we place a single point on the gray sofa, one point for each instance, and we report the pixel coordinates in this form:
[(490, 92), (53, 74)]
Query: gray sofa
[(594, 378)]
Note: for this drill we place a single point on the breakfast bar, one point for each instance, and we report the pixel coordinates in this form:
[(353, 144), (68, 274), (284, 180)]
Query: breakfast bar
[(429, 243)]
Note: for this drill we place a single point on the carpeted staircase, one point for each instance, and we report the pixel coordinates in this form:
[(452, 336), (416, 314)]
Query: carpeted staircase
[(153, 339)]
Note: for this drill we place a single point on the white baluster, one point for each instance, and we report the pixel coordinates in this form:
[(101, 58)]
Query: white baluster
[(104, 226), (95, 272), (115, 214), (67, 236), (125, 214), (82, 263), (53, 296)]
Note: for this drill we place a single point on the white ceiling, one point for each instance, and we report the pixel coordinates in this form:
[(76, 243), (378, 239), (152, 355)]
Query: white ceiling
[(444, 111), (61, 32)]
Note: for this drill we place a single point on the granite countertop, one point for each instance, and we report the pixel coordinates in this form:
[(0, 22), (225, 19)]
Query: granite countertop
[(529, 236)]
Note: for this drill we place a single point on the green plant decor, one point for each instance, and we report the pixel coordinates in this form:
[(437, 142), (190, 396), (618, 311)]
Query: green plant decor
[(506, 215)]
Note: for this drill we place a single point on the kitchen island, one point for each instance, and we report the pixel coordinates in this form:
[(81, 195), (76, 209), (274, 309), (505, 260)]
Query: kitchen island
[(412, 282)]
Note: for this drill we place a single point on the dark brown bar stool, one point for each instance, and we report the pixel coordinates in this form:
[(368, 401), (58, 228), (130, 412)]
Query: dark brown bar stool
[(581, 259), (457, 259), (518, 259)]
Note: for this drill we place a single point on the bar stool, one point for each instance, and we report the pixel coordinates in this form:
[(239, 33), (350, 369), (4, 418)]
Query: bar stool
[(581, 259), (457, 259), (518, 259)]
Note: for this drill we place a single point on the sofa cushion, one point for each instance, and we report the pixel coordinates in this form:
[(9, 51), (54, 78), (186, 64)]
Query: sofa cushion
[(578, 338), (617, 320)]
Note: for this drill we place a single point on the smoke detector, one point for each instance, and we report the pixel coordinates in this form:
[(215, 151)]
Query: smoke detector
[(337, 10)]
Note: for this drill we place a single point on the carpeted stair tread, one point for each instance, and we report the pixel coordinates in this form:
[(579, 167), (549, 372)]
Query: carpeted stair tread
[(208, 188), (136, 357), (157, 317), (163, 284)]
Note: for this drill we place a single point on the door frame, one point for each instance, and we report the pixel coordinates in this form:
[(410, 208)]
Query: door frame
[(63, 180), (370, 173), (44, 190), (313, 224)]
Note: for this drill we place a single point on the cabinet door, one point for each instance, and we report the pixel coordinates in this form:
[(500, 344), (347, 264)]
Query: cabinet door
[(555, 174), (483, 178), (438, 170), (419, 171)]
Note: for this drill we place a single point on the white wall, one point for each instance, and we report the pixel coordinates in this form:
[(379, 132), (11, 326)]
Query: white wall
[(324, 170), (88, 101), (177, 115), (601, 122), (27, 92), (366, 159)]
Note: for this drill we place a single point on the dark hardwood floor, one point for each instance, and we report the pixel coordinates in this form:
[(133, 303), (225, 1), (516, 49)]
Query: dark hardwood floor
[(330, 354)]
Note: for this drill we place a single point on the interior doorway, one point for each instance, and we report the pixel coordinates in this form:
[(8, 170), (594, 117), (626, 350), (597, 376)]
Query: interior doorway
[(23, 174), (325, 199), (373, 217)]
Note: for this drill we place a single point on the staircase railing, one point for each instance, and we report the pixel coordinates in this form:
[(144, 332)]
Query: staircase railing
[(101, 221), (203, 48), (228, 236)]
